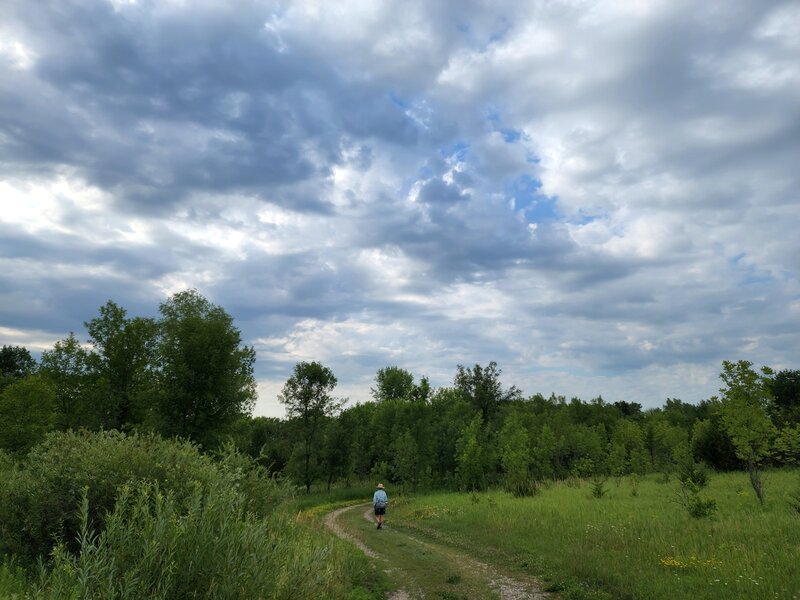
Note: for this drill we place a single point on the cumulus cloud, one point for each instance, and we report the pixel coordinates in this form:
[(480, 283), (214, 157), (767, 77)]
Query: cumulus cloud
[(600, 196)]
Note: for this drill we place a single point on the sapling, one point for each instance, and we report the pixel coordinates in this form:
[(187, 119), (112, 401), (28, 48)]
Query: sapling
[(598, 487)]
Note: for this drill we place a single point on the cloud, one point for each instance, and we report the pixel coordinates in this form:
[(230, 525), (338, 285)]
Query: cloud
[(600, 197)]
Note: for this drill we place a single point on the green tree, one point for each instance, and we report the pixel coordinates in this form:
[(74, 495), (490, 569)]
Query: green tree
[(514, 456), (746, 399), (627, 453), (124, 358), (265, 439), (661, 440), (616, 461), (787, 445), (406, 459), (710, 441), (421, 392), (542, 454), (450, 414), (307, 396), (26, 414), (335, 451), (15, 363), (206, 373), (67, 367), (481, 385), (786, 395), (393, 383), (471, 456)]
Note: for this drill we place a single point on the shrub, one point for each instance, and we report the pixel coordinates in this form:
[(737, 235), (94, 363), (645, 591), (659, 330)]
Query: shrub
[(39, 501), (598, 488), (262, 491), (13, 584), (582, 467), (699, 508), (7, 462), (156, 547), (635, 485)]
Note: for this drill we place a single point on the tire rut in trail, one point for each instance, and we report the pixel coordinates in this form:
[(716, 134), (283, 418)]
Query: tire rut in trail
[(507, 588), (330, 523)]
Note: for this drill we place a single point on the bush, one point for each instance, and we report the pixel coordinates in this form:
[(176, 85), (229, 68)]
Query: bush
[(7, 462), (698, 507), (39, 501), (598, 488), (155, 547), (262, 491), (13, 583)]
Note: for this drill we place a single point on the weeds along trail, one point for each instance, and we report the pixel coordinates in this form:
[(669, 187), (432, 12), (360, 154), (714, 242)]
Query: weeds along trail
[(423, 568)]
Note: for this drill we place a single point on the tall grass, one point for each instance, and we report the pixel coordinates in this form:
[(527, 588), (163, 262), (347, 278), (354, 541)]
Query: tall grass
[(149, 548), (119, 517), (626, 546), (13, 583)]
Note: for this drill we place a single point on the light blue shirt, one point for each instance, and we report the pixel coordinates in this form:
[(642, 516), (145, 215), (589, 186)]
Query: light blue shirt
[(380, 496)]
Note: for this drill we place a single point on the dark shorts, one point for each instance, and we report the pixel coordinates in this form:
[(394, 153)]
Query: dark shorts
[(380, 510)]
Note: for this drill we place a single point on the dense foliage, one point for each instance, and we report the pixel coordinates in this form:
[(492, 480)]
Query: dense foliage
[(478, 433), (186, 373), (114, 515)]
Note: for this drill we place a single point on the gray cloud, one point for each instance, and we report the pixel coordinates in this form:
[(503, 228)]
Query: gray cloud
[(599, 196)]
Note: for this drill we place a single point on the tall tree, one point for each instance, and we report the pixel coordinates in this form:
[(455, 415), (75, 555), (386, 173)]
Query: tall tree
[(335, 451), (481, 385), (543, 454), (307, 396), (515, 455), (206, 373), (747, 396), (15, 363), (406, 459), (26, 414), (471, 456), (124, 357), (786, 395), (393, 383), (67, 368)]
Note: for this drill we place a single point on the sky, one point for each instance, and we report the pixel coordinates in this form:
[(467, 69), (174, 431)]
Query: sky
[(602, 197)]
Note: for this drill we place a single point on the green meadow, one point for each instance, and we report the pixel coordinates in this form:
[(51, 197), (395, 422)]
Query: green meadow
[(633, 542)]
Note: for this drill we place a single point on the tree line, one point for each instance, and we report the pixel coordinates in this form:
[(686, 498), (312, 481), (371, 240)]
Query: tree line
[(183, 374), (187, 374), (478, 433)]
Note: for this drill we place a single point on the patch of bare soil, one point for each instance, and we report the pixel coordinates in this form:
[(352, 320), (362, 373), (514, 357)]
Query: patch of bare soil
[(330, 523), (508, 588)]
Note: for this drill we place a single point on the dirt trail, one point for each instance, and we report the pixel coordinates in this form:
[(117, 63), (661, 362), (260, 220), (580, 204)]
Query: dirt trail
[(418, 563), (330, 523)]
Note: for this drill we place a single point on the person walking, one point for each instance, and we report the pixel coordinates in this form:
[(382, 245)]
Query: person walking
[(379, 502)]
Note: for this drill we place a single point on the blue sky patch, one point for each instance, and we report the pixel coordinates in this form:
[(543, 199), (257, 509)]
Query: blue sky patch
[(536, 206)]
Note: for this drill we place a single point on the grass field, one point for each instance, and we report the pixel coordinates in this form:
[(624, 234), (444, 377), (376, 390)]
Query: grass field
[(624, 545)]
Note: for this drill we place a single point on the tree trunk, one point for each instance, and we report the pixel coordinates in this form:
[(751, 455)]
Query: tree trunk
[(756, 478)]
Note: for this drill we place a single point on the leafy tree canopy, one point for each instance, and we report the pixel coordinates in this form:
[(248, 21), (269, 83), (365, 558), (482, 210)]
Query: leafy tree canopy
[(393, 383), (206, 373)]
